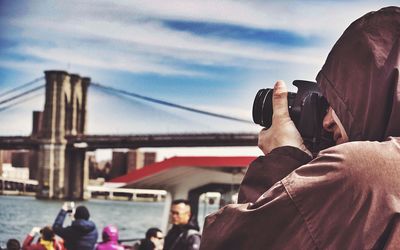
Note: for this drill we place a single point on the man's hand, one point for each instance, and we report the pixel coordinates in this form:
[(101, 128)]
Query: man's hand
[(282, 132)]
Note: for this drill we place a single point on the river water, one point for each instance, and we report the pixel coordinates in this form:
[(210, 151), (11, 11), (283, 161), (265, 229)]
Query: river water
[(19, 214)]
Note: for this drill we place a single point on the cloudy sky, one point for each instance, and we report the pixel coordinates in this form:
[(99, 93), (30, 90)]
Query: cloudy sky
[(209, 55)]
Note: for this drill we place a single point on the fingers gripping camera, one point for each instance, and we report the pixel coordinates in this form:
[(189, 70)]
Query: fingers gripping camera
[(307, 109)]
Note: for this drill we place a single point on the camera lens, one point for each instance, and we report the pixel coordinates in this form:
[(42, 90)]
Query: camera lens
[(257, 106), (262, 108)]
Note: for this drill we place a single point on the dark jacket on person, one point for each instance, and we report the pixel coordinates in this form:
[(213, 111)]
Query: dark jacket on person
[(146, 244), (183, 237), (82, 234), (348, 196)]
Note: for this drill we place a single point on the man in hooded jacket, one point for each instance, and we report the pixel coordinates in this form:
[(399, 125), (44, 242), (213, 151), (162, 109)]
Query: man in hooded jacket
[(348, 196), (82, 234)]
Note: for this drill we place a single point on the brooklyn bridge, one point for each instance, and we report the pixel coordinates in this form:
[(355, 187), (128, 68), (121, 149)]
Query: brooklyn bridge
[(59, 139)]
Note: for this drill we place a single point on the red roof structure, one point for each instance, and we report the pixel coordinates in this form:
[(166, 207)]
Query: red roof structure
[(188, 171), (188, 177)]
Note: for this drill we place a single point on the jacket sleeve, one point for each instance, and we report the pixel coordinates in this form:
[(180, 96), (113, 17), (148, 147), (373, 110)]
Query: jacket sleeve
[(63, 232), (194, 242), (27, 242), (265, 171), (266, 217)]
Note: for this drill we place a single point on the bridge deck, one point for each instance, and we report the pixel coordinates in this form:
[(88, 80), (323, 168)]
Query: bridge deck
[(92, 142), (167, 140), (17, 142)]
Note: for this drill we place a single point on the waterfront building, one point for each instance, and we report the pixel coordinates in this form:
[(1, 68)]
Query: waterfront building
[(10, 172)]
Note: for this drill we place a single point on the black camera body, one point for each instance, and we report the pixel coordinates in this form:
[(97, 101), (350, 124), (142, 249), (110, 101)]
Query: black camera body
[(307, 109)]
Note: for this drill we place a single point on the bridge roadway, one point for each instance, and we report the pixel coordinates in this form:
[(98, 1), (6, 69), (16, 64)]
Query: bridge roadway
[(18, 142), (92, 142)]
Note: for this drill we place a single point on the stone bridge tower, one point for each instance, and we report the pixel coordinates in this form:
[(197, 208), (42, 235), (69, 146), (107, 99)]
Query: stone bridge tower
[(63, 169)]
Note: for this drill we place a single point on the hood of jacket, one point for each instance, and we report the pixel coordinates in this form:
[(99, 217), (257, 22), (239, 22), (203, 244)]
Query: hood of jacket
[(110, 233), (360, 78), (83, 226)]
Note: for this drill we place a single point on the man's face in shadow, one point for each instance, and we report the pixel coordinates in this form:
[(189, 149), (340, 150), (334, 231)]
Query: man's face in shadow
[(332, 124)]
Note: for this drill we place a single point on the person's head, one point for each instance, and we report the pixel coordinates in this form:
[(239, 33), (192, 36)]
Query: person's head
[(156, 236), (180, 212), (13, 244), (82, 213), (110, 233), (47, 233), (360, 79)]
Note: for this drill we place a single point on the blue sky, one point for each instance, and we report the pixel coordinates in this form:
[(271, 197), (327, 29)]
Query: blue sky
[(209, 55)]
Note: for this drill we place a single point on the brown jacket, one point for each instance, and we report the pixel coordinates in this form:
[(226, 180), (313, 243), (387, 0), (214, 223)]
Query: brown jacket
[(348, 197)]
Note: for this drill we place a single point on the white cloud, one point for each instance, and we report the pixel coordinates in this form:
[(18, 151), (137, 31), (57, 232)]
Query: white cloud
[(303, 17), (149, 47), (103, 59), (125, 38)]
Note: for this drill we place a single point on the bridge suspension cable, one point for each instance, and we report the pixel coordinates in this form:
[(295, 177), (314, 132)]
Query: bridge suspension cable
[(18, 98), (154, 100), (19, 102), (21, 95), (22, 86)]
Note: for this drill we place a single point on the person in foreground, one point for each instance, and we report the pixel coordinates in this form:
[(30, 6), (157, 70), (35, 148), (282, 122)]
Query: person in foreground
[(81, 234), (348, 196), (154, 240), (13, 244), (110, 239), (46, 241), (184, 234)]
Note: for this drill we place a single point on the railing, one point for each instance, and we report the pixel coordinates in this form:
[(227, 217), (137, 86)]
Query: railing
[(12, 186), (126, 193)]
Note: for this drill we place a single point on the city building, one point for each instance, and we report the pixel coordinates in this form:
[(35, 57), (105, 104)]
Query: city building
[(137, 159), (10, 172), (118, 164), (123, 162), (19, 159)]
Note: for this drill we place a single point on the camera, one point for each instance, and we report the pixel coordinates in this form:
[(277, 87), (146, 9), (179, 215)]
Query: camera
[(307, 109), (71, 207)]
